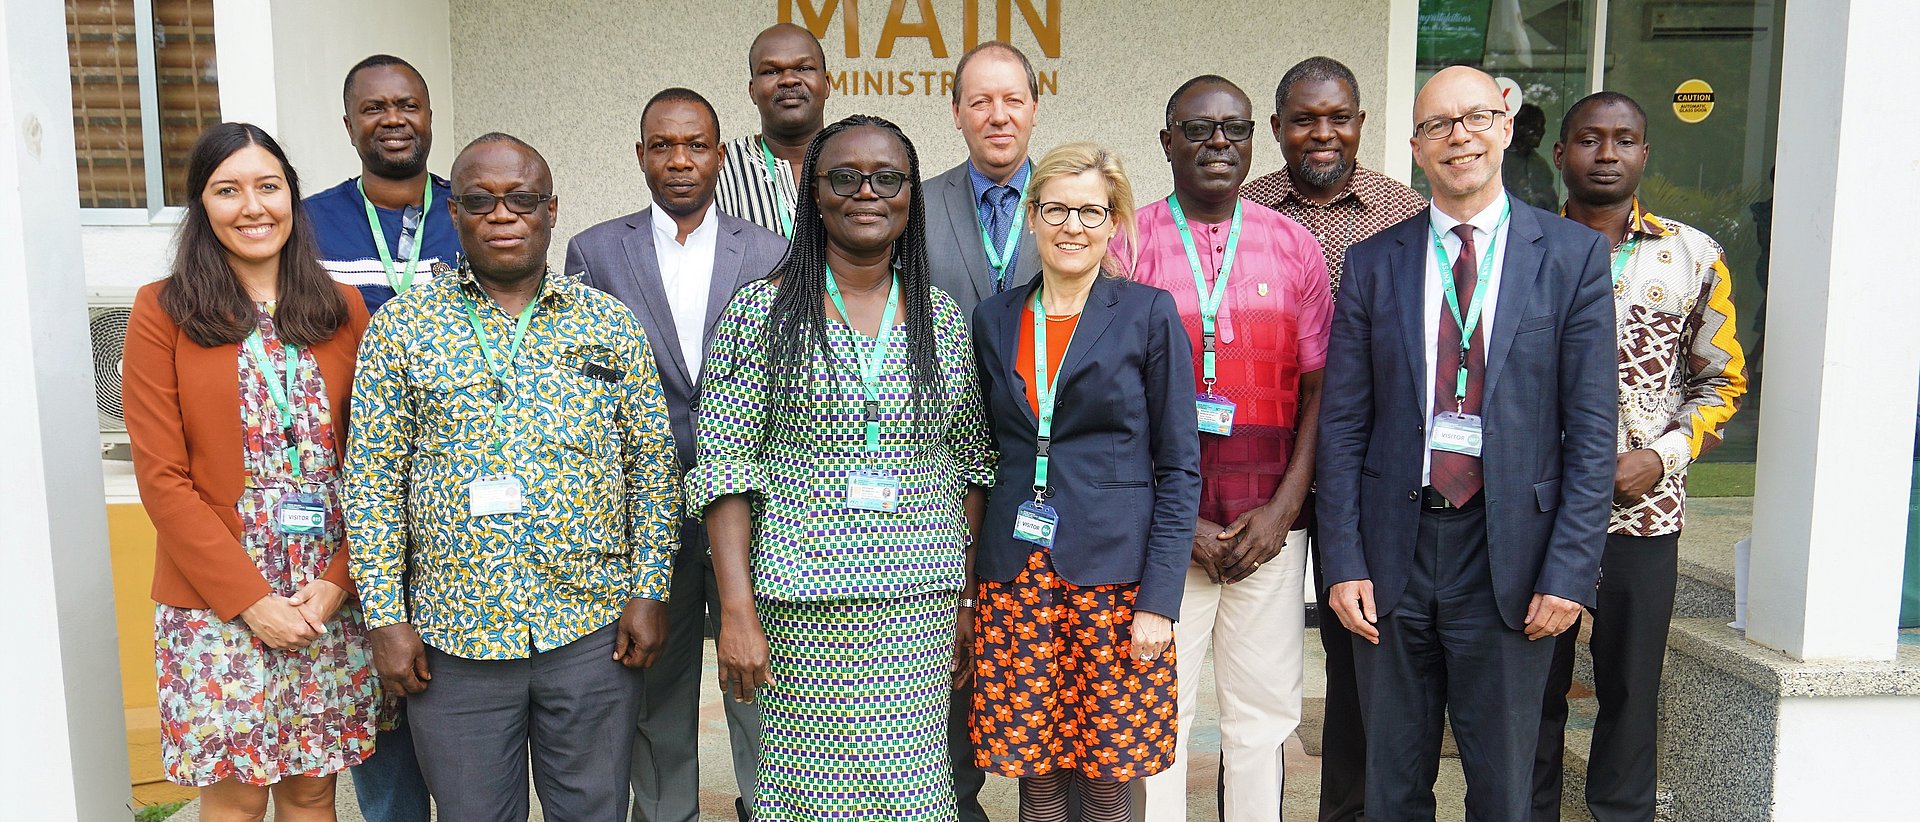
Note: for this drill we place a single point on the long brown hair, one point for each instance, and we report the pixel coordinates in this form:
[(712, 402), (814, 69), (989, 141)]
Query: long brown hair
[(203, 295)]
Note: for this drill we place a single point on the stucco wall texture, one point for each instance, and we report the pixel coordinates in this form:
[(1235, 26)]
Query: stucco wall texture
[(571, 78)]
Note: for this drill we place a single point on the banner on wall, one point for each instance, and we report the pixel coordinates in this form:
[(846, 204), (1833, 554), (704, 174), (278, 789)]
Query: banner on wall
[(1452, 32)]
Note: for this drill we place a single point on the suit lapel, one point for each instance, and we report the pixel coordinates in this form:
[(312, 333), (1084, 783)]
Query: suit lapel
[(1094, 319), (1409, 293), (653, 293), (1519, 273), (963, 216), (728, 255), (1008, 332)]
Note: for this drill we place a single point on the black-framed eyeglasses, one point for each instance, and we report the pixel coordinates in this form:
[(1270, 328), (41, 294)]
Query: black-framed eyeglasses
[(846, 182), (1439, 127), (518, 202), (1091, 216), (1200, 129)]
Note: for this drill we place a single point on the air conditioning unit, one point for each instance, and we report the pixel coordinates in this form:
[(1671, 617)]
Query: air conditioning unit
[(107, 313)]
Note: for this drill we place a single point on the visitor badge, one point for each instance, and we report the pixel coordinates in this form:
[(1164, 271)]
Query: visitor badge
[(301, 514), (1216, 414), (488, 496), (1458, 433), (1035, 523), (867, 491)]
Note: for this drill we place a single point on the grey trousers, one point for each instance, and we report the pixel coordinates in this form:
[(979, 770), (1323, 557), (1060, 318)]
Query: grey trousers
[(666, 755), (572, 708)]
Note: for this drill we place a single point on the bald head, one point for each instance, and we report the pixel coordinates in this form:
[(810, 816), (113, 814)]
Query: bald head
[(784, 37), (1462, 164), (502, 174)]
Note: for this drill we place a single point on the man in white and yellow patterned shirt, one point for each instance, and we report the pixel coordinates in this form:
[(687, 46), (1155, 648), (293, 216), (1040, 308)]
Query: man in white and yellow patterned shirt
[(513, 512), (1682, 374)]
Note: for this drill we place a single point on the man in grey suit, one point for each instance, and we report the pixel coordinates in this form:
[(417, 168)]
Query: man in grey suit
[(977, 237), (1466, 461), (676, 265)]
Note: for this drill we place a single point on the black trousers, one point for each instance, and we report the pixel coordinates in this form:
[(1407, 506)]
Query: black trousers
[(1635, 606), (968, 778), (1445, 652), (1343, 737)]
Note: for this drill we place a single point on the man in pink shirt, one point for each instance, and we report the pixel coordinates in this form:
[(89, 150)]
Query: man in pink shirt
[(1252, 288)]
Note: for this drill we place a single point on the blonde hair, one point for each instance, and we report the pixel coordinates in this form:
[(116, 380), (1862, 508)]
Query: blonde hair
[(1076, 158)]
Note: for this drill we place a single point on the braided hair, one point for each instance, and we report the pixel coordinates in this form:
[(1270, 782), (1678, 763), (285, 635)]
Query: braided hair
[(796, 324)]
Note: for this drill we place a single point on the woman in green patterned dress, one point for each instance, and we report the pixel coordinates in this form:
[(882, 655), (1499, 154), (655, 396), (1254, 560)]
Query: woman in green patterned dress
[(842, 459)]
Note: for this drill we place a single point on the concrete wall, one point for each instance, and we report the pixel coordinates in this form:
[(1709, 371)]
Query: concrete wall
[(573, 82)]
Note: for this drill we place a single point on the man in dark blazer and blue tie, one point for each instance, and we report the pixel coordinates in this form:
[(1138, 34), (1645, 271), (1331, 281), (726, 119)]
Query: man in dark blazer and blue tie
[(677, 265), (995, 99), (1465, 462)]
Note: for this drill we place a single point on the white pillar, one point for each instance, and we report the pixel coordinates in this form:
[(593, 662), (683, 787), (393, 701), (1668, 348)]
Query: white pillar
[(1403, 47), (1843, 335), (60, 697)]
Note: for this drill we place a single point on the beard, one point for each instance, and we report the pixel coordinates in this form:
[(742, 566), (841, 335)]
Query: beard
[(1322, 176), (403, 168)]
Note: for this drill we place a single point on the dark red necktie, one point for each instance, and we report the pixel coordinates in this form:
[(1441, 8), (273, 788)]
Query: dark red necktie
[(1457, 476)]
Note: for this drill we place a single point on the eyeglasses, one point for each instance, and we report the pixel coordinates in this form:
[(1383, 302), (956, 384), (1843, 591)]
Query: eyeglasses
[(1439, 127), (847, 182), (1200, 129), (518, 202), (1091, 216)]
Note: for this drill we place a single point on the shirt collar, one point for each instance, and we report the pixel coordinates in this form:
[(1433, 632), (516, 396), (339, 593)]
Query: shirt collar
[(1640, 221), (981, 182), (1487, 220), (666, 230), (553, 287)]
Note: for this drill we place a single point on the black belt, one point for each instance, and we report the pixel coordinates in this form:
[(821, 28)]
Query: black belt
[(1433, 500)]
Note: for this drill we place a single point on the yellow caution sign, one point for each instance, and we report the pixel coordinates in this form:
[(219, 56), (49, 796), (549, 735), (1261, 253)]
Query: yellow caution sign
[(1693, 101)]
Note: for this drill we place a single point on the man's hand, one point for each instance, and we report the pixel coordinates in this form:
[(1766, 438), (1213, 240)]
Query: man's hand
[(962, 647), (1353, 603), (318, 602), (1549, 615), (1635, 473), (742, 651), (279, 622), (400, 658), (1255, 538), (642, 633), (1210, 544), (1152, 633)]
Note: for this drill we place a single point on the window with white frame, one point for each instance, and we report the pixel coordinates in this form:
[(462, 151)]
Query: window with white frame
[(144, 87)]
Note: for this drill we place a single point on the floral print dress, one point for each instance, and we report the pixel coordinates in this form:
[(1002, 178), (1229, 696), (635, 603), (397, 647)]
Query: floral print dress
[(231, 707)]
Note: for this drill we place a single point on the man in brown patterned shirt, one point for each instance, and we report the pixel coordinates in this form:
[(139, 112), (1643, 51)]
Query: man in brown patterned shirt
[(1682, 374), (1317, 119)]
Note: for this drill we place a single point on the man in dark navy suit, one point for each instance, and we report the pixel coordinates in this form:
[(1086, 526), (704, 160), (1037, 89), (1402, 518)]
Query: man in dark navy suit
[(1465, 462)]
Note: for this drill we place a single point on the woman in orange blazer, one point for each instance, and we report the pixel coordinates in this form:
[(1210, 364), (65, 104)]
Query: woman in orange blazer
[(238, 368)]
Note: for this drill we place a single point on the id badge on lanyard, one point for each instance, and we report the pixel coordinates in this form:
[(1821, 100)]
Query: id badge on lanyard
[(495, 495), (873, 491), (1457, 433), (301, 514), (1036, 522), (1216, 413)]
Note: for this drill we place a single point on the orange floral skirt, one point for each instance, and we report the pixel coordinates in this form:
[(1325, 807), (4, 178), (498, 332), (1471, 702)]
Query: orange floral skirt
[(1054, 686)]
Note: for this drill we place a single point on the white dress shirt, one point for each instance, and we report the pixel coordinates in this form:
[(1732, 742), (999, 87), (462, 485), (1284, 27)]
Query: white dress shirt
[(686, 272), (1489, 236)]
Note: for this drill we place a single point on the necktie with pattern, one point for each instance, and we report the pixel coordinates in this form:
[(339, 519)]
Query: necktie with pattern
[(1457, 476)]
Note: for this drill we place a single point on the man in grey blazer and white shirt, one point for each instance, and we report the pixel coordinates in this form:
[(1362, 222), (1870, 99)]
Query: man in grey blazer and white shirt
[(676, 265), (995, 97)]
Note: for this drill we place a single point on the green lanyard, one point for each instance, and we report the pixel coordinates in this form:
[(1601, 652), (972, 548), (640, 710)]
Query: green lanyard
[(494, 366), (779, 202), (1000, 259), (399, 282), (876, 357), (1209, 301), (1472, 319), (1043, 389), (1623, 255), (282, 395)]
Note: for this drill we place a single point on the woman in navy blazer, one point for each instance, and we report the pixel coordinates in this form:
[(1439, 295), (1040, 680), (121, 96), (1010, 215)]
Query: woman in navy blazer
[(1074, 669)]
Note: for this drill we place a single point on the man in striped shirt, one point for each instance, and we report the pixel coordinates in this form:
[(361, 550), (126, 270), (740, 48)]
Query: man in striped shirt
[(759, 172), (1682, 374)]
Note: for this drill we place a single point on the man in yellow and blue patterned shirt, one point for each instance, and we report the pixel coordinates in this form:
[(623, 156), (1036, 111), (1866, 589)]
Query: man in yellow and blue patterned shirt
[(512, 509), (1681, 376)]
